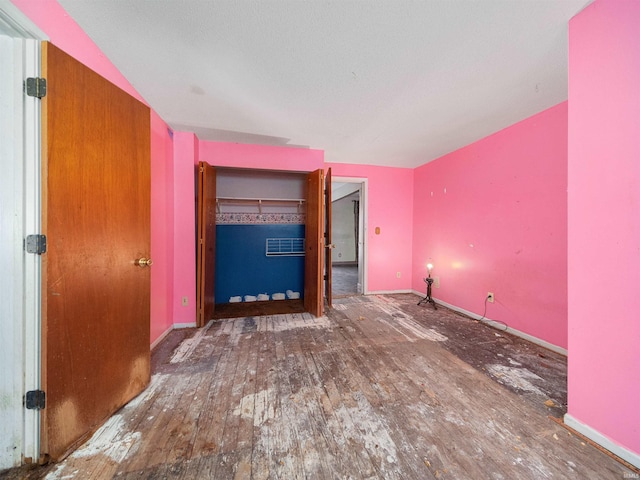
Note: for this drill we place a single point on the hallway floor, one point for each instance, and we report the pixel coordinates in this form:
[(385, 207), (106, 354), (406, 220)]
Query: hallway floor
[(344, 280), (380, 388)]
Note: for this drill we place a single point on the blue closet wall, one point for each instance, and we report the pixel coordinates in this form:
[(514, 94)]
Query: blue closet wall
[(242, 267)]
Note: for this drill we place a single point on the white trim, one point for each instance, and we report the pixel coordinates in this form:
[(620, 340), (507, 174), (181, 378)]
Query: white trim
[(388, 292), (12, 340), (500, 326), (33, 272), (363, 257), (21, 152), (22, 25), (158, 340), (176, 326), (627, 455)]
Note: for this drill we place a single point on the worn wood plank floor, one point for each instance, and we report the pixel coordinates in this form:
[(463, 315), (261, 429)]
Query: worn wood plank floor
[(373, 390)]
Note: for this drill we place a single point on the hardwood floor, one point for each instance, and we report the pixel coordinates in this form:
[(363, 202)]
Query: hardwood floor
[(377, 389)]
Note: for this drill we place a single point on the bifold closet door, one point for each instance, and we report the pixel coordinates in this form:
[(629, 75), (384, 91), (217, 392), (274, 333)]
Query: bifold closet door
[(329, 246), (206, 248), (317, 268)]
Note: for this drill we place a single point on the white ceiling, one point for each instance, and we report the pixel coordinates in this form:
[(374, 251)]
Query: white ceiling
[(383, 82)]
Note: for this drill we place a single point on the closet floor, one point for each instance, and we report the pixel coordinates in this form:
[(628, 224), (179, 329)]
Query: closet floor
[(254, 309)]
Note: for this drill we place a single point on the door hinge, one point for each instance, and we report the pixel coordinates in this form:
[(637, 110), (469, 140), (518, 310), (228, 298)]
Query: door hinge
[(36, 87), (36, 244), (35, 400)]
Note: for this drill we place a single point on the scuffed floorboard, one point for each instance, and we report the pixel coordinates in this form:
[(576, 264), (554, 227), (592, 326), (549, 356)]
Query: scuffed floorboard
[(378, 389)]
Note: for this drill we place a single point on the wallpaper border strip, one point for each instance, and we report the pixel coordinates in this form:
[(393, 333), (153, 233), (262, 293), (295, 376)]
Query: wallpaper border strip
[(260, 218)]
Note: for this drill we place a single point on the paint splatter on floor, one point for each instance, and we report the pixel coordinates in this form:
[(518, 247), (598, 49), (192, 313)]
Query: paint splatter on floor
[(516, 377)]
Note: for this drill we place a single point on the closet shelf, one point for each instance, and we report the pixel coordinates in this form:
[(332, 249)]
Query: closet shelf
[(259, 202)]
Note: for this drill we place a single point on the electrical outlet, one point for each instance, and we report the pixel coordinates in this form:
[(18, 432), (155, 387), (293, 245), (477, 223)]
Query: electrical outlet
[(490, 297), (185, 301), (398, 274), (436, 282)]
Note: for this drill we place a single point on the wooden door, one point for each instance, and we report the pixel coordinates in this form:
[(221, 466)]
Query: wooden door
[(314, 244), (328, 242), (206, 254), (96, 215)]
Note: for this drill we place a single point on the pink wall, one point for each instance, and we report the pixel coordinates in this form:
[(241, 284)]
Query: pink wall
[(390, 207), (492, 217), (225, 154), (604, 220), (161, 227), (66, 34), (186, 152)]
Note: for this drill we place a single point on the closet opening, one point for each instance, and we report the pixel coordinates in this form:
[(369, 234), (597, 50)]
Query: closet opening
[(260, 242), (260, 238)]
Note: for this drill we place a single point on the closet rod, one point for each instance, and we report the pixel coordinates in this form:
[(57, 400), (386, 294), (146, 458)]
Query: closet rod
[(259, 200)]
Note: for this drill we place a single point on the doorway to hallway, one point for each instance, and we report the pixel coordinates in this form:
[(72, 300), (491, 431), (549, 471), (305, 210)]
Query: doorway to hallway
[(348, 236)]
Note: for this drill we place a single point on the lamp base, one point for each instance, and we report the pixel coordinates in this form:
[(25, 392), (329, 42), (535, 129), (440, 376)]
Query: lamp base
[(428, 299)]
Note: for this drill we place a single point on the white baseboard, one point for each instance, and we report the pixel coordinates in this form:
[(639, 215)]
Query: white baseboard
[(157, 341), (627, 455), (500, 326), (169, 330), (387, 292), (177, 326)]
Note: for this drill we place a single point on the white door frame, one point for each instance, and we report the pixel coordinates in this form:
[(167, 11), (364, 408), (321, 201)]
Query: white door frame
[(20, 197), (363, 250)]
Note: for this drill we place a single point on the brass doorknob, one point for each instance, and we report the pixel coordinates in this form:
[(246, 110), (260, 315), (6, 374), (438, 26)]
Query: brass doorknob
[(143, 262)]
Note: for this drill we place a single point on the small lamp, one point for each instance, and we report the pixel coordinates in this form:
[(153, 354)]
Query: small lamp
[(429, 282)]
